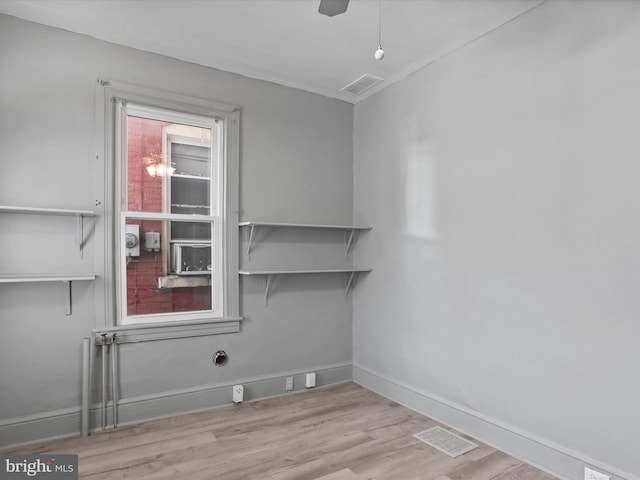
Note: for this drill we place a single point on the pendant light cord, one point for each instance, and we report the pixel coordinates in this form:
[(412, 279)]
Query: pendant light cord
[(379, 53), (379, 22)]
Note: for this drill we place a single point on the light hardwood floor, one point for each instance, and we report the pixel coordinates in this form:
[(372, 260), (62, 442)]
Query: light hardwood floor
[(342, 432)]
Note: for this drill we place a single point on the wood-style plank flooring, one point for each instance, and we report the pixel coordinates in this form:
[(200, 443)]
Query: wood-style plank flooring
[(342, 432)]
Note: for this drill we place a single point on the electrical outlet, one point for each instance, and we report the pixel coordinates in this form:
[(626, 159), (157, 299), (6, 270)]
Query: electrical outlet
[(238, 394), (590, 474), (310, 380), (288, 384)]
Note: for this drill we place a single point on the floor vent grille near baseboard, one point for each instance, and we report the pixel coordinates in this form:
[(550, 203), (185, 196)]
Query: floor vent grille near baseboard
[(445, 441)]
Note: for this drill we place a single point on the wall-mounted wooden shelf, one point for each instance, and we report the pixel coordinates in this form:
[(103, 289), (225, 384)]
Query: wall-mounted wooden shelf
[(46, 211), (351, 235), (352, 230), (79, 214), (66, 278), (352, 273), (46, 277), (304, 225)]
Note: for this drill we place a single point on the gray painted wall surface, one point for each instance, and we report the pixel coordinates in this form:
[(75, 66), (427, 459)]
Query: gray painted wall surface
[(502, 182), (296, 166)]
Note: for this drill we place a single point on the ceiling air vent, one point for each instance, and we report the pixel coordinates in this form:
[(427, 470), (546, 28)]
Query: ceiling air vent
[(361, 84)]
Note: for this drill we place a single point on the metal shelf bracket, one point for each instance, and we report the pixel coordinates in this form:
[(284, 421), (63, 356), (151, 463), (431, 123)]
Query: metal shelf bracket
[(351, 237), (67, 297), (351, 281), (267, 287), (80, 232), (250, 240)]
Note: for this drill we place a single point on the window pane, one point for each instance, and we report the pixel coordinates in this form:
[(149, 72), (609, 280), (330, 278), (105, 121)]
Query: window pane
[(190, 195), (144, 149), (190, 231), (165, 275), (169, 167), (190, 159), (190, 184)]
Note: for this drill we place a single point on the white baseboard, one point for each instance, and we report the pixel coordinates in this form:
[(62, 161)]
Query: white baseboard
[(555, 459), (20, 431)]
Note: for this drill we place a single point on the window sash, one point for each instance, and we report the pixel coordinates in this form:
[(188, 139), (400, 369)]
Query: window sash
[(215, 217), (217, 279)]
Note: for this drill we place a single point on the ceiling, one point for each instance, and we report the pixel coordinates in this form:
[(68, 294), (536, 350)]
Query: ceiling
[(284, 41)]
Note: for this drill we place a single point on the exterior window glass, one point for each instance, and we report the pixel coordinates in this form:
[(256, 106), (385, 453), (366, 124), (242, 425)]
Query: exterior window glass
[(171, 219)]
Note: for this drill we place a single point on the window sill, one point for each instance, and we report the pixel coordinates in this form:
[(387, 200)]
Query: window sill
[(177, 281), (168, 330)]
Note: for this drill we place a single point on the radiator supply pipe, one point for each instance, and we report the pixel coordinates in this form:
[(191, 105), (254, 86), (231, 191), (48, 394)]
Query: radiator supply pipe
[(103, 390), (114, 378), (86, 384)]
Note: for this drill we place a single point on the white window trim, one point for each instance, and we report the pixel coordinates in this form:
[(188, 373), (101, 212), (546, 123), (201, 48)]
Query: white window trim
[(108, 95), (217, 218)]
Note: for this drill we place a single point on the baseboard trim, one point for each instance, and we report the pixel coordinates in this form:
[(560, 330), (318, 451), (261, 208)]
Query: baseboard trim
[(545, 455), (20, 431), (42, 426)]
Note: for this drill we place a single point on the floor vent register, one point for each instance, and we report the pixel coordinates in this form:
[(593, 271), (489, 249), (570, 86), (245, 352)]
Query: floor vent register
[(445, 441)]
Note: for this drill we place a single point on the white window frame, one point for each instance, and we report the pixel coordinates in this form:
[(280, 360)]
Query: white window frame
[(110, 101)]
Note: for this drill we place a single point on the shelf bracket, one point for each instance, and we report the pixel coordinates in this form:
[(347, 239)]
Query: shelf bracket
[(250, 240), (80, 232), (353, 276), (67, 297), (351, 240), (267, 286)]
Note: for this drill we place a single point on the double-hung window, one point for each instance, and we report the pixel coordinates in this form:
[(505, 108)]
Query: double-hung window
[(175, 218)]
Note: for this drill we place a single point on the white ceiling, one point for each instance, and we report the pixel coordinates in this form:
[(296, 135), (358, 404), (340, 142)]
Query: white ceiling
[(284, 41)]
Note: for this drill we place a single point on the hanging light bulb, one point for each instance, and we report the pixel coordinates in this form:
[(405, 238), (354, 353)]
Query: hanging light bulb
[(379, 53)]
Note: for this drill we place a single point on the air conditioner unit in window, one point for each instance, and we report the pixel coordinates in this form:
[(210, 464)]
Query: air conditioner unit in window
[(191, 258)]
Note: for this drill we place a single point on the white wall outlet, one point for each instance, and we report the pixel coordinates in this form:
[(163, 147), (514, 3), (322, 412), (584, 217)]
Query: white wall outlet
[(590, 474), (238, 394), (288, 384), (310, 380)]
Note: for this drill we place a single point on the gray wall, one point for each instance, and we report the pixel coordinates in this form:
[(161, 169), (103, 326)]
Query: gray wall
[(503, 184), (296, 166)]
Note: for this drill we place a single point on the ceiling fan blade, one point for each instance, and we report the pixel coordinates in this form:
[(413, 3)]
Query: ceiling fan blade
[(332, 8)]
